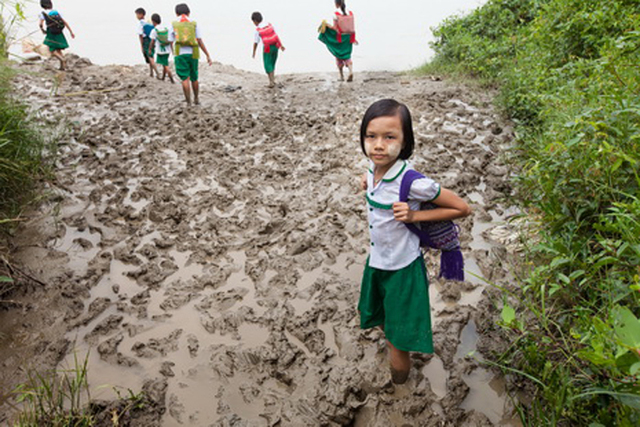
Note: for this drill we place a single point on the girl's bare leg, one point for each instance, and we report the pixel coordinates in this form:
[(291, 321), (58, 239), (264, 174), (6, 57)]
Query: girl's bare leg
[(400, 364), (350, 78)]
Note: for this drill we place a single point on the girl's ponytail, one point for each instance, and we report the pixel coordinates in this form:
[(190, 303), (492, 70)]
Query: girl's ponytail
[(341, 4)]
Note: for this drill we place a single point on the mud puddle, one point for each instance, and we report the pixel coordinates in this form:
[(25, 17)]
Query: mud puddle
[(220, 249)]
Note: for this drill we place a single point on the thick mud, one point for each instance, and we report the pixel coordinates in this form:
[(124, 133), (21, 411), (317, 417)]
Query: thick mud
[(215, 253)]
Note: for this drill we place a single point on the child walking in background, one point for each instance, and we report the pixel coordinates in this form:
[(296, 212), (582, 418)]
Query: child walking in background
[(395, 289), (272, 44), (163, 42), (144, 32), (54, 39), (340, 38), (188, 43)]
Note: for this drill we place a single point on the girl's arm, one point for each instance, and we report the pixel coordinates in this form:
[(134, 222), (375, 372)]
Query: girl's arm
[(42, 26), (450, 206), (73, 36), (255, 47)]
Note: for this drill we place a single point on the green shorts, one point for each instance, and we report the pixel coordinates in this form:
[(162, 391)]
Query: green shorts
[(146, 44), (269, 59), (186, 67), (163, 59), (399, 301)]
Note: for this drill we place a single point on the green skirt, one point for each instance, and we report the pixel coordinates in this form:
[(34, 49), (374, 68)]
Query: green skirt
[(339, 50), (270, 59), (55, 41), (398, 300)]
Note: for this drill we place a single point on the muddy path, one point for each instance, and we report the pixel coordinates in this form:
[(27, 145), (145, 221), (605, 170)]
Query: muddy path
[(215, 253)]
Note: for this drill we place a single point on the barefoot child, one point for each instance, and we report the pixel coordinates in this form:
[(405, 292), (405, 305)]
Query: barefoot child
[(271, 42), (340, 38), (395, 290), (188, 43), (162, 38), (55, 39), (144, 31)]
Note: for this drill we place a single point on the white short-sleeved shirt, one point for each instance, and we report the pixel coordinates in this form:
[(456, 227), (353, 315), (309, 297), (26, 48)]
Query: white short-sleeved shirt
[(393, 246), (257, 37), (186, 50), (141, 25), (160, 48)]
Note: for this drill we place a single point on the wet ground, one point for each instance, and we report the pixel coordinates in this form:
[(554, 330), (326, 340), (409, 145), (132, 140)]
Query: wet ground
[(217, 251)]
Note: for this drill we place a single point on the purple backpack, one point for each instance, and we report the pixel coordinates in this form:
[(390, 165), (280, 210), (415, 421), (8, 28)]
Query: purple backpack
[(439, 235)]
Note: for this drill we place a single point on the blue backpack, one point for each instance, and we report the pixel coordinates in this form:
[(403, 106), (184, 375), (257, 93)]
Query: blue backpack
[(147, 28), (439, 235)]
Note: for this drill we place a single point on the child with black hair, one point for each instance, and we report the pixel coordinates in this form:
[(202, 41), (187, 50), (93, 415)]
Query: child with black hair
[(163, 43), (340, 37), (266, 34), (144, 32), (395, 289), (188, 43), (55, 39)]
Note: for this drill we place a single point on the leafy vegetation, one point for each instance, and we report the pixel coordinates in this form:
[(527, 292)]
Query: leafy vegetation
[(22, 145), (568, 76)]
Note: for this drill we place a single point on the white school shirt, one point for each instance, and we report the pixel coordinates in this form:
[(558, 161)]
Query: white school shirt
[(392, 245), (160, 48), (186, 50), (141, 25)]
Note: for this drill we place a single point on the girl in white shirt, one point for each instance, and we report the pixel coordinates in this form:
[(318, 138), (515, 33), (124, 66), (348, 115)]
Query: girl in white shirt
[(394, 292)]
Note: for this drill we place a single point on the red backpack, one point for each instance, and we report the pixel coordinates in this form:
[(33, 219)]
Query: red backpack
[(345, 24), (269, 38)]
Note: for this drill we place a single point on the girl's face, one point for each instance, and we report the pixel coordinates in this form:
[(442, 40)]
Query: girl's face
[(384, 140)]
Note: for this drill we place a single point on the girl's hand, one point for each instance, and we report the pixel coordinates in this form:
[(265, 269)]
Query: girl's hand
[(402, 213), (363, 182)]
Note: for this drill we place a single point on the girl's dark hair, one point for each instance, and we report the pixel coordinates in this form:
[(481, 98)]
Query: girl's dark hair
[(139, 11), (46, 4), (182, 9), (155, 18), (390, 108), (256, 17), (342, 5)]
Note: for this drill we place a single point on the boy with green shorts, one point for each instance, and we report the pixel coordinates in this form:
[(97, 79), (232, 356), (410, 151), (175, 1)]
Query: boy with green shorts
[(162, 38), (188, 43), (144, 30), (272, 44)]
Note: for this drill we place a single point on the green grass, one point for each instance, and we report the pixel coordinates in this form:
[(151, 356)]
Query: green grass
[(62, 398), (567, 72)]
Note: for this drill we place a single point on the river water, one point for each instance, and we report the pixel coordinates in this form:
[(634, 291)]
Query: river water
[(393, 36)]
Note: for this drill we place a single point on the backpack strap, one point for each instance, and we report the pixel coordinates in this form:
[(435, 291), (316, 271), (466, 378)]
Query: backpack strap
[(405, 187)]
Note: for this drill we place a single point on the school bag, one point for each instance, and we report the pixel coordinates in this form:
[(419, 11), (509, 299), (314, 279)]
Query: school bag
[(54, 22), (147, 28), (345, 24), (163, 36), (269, 38), (439, 235), (185, 32)]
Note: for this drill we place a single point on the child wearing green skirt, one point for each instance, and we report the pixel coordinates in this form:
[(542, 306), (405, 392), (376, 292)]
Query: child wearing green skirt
[(161, 36), (54, 39), (395, 289), (272, 44)]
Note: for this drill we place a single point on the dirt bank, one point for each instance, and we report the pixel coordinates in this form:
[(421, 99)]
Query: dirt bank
[(219, 249)]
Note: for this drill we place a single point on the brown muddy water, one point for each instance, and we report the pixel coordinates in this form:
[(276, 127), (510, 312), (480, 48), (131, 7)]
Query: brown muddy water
[(218, 250)]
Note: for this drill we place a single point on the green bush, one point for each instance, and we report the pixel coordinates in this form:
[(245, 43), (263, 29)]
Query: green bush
[(568, 76)]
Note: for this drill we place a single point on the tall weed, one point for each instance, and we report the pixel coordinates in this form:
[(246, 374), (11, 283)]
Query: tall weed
[(568, 76)]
